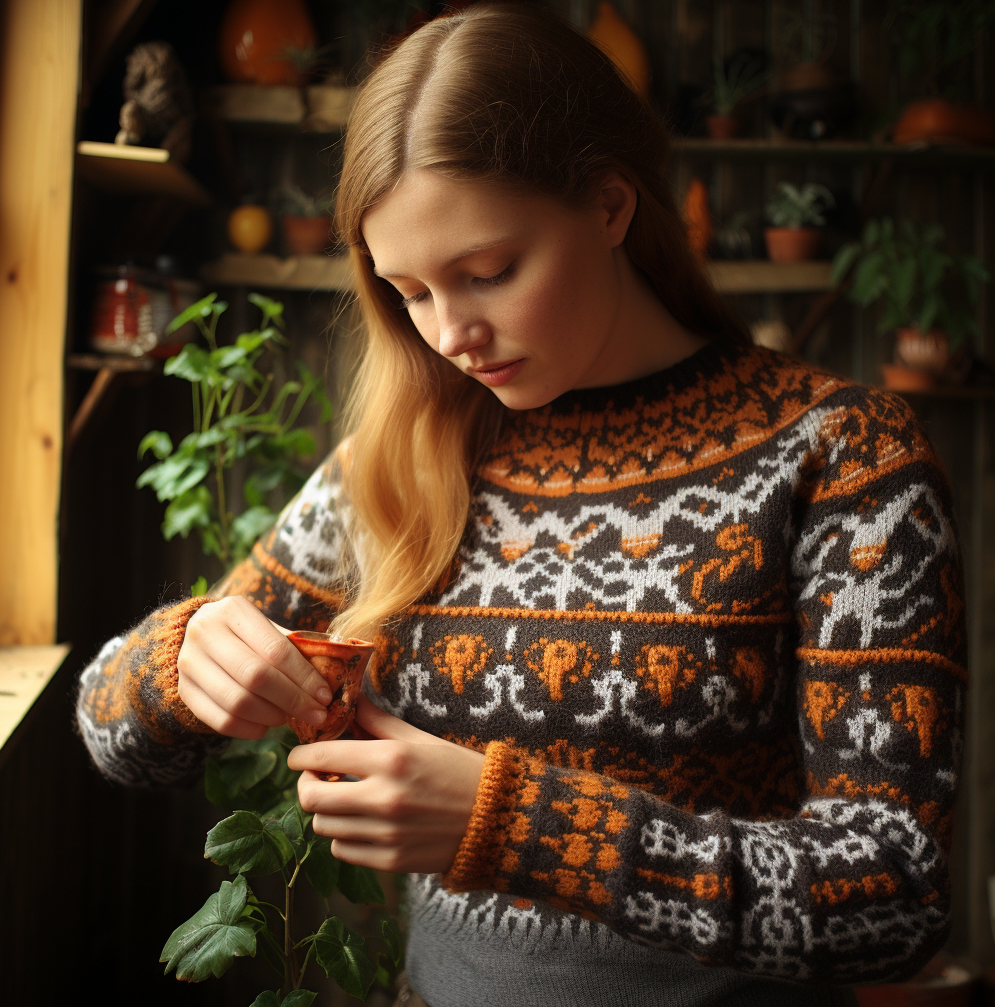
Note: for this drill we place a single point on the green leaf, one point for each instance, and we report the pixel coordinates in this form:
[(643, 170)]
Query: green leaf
[(175, 475), (844, 259), (214, 937), (199, 587), (341, 952), (272, 310), (159, 442), (268, 998), (250, 524), (203, 308), (245, 844), (192, 509), (263, 481), (192, 363), (252, 775), (359, 884), (392, 938), (294, 824), (321, 868), (298, 998)]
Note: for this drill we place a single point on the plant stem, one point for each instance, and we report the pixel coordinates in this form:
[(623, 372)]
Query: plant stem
[(291, 981), (222, 506)]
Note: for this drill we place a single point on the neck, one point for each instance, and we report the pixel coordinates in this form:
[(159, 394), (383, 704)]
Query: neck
[(644, 337)]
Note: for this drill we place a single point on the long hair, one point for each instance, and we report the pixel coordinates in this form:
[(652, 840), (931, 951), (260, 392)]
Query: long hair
[(508, 93)]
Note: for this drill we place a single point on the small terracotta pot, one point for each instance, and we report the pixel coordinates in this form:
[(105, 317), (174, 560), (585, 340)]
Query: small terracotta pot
[(905, 379), (923, 351), (342, 666), (307, 235), (792, 244), (935, 120), (721, 127)]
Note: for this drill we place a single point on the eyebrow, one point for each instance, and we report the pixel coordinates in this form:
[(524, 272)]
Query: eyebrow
[(456, 258)]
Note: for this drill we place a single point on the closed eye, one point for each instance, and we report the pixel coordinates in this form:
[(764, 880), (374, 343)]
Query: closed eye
[(480, 281)]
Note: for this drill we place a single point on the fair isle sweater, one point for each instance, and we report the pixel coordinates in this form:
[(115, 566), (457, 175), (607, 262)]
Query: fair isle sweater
[(707, 628)]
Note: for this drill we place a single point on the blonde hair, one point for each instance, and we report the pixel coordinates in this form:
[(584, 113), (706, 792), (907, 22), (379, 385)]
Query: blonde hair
[(507, 93)]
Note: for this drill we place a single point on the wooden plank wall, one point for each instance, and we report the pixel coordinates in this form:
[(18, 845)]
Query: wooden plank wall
[(39, 65)]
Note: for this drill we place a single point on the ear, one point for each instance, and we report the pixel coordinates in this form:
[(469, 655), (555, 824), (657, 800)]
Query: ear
[(616, 201)]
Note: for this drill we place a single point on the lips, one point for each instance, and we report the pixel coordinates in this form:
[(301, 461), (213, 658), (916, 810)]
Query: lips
[(498, 374)]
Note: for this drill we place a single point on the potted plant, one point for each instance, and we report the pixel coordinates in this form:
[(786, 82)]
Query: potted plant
[(736, 79), (305, 221), (934, 37), (796, 215), (927, 295)]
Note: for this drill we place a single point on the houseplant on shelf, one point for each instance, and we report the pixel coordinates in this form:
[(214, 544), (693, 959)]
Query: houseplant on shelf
[(796, 216), (241, 416), (742, 75), (305, 219), (927, 295)]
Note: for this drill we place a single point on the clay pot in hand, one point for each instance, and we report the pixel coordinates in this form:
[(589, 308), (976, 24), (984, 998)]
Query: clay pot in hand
[(935, 120), (306, 235), (721, 127), (792, 244), (342, 666), (256, 36)]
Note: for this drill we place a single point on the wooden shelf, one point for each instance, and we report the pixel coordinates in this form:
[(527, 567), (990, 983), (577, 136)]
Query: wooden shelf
[(299, 272), (762, 277), (137, 171), (932, 155), (24, 673), (106, 362)]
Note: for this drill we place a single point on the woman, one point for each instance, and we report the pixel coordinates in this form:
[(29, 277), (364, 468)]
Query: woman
[(667, 695)]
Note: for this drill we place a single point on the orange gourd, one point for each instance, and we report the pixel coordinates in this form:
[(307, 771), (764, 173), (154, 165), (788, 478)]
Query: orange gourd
[(697, 218), (255, 36), (614, 37)]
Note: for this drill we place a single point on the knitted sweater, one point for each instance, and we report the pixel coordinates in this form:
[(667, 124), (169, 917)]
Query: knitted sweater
[(707, 628)]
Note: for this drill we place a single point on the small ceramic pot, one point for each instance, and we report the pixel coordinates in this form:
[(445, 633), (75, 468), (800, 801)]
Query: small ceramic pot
[(935, 120), (254, 38), (307, 235), (721, 127), (792, 244), (923, 351), (342, 666)]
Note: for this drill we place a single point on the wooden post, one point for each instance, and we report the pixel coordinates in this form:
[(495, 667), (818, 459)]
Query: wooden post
[(39, 72)]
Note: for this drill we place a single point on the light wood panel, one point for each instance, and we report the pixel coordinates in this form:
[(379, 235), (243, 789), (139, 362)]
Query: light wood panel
[(24, 673), (39, 65)]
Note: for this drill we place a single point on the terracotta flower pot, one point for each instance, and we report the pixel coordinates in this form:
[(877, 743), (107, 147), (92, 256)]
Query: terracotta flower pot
[(900, 378), (936, 120), (923, 351), (792, 244), (342, 666), (255, 36), (721, 127), (307, 235)]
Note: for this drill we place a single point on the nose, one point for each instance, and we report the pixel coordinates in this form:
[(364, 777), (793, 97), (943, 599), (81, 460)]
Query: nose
[(459, 330)]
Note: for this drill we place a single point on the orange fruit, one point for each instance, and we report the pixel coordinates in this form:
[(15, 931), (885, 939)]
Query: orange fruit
[(250, 228)]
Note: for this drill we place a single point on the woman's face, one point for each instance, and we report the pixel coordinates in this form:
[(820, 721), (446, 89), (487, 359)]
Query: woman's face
[(517, 291)]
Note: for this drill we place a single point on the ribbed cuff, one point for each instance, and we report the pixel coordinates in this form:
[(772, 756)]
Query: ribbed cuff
[(166, 650), (485, 857)]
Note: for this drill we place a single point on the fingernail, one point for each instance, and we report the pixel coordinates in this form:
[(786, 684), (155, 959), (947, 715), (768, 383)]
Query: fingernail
[(316, 717), (324, 695)]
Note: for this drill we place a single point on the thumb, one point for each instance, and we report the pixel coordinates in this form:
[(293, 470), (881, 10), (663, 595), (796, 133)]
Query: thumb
[(386, 727)]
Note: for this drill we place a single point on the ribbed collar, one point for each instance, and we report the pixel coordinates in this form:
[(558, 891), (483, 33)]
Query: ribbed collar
[(711, 358)]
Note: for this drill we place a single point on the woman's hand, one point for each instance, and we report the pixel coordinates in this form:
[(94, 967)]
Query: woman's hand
[(239, 675), (411, 806)]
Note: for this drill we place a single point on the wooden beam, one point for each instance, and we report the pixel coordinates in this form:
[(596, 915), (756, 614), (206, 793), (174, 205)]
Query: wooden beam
[(39, 67)]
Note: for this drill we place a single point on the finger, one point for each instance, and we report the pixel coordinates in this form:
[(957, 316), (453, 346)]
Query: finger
[(260, 635), (209, 713), (233, 698), (420, 860), (354, 828), (362, 797), (255, 675), (352, 758), (385, 726)]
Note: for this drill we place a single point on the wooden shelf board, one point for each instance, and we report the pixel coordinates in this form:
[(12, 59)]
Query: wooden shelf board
[(24, 673), (299, 272), (100, 362), (122, 170), (842, 150), (760, 276)]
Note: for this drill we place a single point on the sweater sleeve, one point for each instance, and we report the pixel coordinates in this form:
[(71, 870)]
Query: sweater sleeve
[(852, 886), (129, 712)]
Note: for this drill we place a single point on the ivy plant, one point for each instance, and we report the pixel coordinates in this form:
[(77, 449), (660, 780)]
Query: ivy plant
[(266, 833), (239, 415)]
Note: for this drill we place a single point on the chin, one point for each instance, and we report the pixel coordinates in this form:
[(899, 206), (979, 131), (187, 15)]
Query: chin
[(526, 397)]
